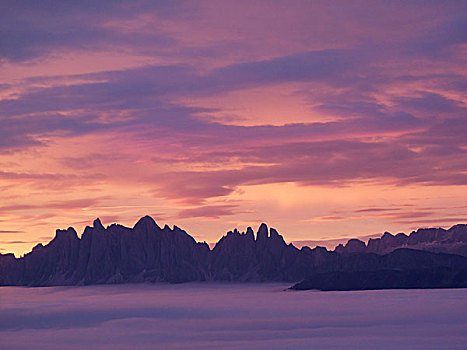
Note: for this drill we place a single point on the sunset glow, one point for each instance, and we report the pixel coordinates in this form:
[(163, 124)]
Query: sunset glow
[(324, 119)]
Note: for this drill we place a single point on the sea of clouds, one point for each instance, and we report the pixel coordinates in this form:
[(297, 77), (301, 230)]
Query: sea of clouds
[(229, 316)]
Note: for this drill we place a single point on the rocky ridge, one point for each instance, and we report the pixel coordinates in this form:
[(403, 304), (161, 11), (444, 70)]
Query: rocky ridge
[(436, 240), (149, 253)]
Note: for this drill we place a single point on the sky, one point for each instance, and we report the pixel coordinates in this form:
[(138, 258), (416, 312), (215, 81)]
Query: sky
[(324, 119), (230, 316)]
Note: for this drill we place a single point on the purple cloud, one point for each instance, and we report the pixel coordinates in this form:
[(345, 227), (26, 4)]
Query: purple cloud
[(191, 101)]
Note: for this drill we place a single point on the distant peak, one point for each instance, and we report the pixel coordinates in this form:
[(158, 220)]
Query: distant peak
[(319, 249), (250, 234), (276, 236), (146, 221), (458, 226), (355, 245), (273, 233), (97, 224), (68, 233), (262, 233), (37, 247)]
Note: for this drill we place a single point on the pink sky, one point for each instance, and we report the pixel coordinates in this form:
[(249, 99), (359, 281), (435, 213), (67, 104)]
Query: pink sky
[(323, 119)]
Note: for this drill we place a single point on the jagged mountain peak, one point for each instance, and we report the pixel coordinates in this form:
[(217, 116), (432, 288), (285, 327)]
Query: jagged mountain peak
[(97, 224), (453, 240), (145, 253), (147, 222), (263, 233), (69, 233)]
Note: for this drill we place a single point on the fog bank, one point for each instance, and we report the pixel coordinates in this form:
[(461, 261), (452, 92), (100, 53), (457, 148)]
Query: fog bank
[(230, 316)]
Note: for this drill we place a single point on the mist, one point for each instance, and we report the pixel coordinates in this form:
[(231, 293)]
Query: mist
[(230, 316)]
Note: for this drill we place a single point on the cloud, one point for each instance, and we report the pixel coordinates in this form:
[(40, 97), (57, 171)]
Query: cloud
[(64, 205), (378, 214), (173, 100), (439, 41), (208, 211), (319, 163), (326, 65), (30, 31), (443, 221), (431, 104), (369, 210), (13, 175), (22, 132), (228, 317)]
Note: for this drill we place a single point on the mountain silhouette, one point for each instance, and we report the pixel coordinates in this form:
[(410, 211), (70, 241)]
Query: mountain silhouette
[(148, 253), (437, 240), (436, 277)]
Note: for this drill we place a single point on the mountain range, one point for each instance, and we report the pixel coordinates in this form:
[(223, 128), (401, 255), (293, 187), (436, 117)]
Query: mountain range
[(149, 253), (437, 240)]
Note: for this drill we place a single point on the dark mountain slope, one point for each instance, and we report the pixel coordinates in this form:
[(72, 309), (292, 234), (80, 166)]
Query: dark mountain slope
[(402, 268), (114, 255), (438, 277)]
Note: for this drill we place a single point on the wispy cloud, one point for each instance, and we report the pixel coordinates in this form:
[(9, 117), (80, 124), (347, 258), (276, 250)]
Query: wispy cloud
[(176, 105)]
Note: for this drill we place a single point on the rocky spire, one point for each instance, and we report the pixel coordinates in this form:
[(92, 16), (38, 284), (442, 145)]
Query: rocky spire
[(97, 224), (144, 253), (250, 234), (262, 234)]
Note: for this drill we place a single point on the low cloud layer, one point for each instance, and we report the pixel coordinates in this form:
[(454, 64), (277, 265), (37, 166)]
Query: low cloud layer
[(214, 316)]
